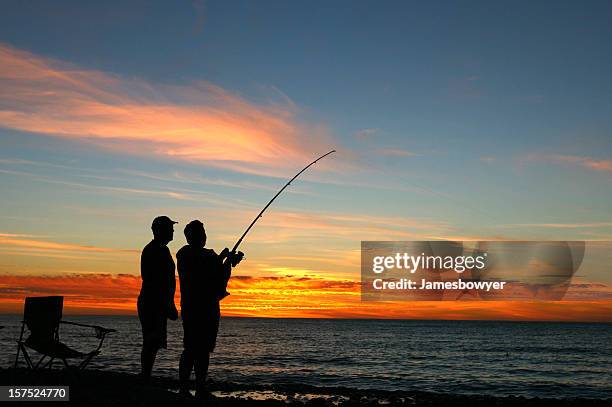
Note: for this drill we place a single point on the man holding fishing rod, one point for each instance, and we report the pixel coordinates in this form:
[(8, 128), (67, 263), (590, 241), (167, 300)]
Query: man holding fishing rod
[(203, 276)]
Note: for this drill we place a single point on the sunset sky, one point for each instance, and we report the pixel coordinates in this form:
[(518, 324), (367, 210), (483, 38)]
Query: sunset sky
[(450, 122)]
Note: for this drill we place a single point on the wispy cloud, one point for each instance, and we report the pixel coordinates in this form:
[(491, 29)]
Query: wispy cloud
[(183, 177), (395, 152), (198, 122), (563, 225), (602, 165), (288, 226), (174, 193), (366, 134), (24, 241), (587, 162)]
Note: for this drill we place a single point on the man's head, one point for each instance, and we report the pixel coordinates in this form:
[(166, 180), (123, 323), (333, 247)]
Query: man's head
[(195, 233), (163, 229)]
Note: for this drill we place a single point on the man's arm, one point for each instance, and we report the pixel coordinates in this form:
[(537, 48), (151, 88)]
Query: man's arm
[(147, 274), (144, 265), (224, 270), (227, 260)]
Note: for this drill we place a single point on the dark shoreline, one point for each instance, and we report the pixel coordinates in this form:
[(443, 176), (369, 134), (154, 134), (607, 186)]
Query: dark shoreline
[(105, 388)]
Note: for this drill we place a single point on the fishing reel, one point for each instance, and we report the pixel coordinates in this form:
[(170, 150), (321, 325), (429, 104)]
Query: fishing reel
[(234, 257)]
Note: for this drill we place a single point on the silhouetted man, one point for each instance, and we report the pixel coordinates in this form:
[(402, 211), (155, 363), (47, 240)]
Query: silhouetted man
[(156, 299), (203, 276)]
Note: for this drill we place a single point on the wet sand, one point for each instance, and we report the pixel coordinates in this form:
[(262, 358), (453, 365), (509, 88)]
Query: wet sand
[(105, 388)]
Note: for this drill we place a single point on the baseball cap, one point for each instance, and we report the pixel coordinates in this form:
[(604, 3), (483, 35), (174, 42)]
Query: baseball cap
[(162, 221)]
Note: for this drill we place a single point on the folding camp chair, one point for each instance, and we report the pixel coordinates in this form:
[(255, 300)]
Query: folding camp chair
[(43, 316)]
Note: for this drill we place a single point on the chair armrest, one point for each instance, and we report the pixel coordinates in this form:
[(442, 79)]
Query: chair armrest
[(96, 327)]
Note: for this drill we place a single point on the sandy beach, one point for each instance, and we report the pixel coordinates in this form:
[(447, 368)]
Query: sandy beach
[(104, 388)]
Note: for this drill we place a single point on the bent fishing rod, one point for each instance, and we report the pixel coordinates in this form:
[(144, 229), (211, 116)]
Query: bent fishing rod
[(274, 197)]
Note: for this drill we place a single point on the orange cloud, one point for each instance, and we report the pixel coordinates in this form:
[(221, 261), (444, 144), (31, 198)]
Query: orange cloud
[(586, 162), (197, 122), (18, 240), (101, 293), (288, 296), (35, 255), (563, 225)]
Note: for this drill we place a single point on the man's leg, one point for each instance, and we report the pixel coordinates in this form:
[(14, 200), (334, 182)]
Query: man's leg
[(150, 345), (185, 367), (208, 337), (187, 357), (201, 371), (147, 359)]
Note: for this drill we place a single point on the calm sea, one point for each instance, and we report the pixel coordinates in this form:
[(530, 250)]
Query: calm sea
[(497, 358)]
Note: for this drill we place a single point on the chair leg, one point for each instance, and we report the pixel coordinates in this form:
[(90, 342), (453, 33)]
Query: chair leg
[(40, 361), (89, 357), (86, 361), (101, 342), (19, 344), (49, 364), (17, 355), (26, 356)]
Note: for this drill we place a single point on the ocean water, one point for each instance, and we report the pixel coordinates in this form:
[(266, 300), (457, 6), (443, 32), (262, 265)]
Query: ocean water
[(498, 358)]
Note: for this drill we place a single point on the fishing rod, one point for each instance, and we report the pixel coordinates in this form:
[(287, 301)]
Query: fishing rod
[(260, 214), (274, 197)]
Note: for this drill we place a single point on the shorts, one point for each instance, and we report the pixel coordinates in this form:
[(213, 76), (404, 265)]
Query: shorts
[(200, 333), (154, 327)]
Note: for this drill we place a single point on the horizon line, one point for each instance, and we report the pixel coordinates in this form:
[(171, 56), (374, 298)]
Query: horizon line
[(351, 319)]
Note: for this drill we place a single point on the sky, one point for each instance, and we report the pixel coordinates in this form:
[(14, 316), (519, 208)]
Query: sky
[(469, 121)]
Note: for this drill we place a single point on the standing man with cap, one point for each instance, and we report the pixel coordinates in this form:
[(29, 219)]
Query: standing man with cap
[(156, 299)]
